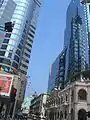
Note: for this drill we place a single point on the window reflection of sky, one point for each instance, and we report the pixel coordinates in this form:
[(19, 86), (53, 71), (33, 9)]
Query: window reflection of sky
[(18, 36)]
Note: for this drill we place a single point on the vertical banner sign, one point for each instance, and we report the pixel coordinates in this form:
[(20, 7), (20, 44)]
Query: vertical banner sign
[(5, 84)]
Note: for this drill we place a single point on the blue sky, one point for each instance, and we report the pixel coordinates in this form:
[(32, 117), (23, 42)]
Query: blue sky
[(48, 42)]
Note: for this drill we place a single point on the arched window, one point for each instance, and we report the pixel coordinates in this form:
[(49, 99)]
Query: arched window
[(82, 114), (82, 94)]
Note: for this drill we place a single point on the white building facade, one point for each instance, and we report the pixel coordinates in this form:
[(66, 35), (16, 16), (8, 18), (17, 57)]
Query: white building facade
[(71, 103), (37, 107)]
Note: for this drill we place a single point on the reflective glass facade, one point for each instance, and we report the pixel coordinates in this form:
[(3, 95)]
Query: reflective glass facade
[(53, 74), (57, 73), (6, 12), (7, 8), (77, 38), (76, 55), (15, 48)]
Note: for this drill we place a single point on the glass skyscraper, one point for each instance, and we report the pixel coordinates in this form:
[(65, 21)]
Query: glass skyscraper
[(57, 72), (19, 18), (6, 12), (76, 57), (77, 37), (16, 45), (53, 74)]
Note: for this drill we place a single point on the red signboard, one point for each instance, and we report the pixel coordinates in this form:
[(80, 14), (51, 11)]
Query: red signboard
[(5, 84)]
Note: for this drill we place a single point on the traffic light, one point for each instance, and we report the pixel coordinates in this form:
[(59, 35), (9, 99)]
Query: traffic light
[(13, 94), (9, 26)]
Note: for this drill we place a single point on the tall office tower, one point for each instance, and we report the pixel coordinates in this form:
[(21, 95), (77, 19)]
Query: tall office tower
[(57, 72), (16, 45), (17, 48), (25, 17), (6, 12), (86, 4), (77, 38), (77, 47)]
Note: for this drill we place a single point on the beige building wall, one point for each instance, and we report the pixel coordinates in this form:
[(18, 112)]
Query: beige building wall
[(67, 104), (20, 84)]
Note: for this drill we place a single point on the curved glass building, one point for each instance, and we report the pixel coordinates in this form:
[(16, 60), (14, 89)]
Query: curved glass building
[(18, 20), (16, 45)]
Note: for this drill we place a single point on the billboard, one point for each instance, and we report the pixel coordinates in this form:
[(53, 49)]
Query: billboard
[(5, 84)]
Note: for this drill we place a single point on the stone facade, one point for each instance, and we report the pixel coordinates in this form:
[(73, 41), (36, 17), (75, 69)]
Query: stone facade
[(37, 109), (71, 103)]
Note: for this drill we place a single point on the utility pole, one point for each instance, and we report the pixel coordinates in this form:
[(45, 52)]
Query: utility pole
[(14, 99), (14, 109)]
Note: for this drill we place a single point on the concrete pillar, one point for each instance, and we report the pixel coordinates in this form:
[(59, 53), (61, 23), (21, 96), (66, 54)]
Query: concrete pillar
[(69, 116), (81, 78), (69, 111), (75, 113)]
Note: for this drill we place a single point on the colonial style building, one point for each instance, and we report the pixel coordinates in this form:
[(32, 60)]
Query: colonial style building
[(37, 107), (71, 103)]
